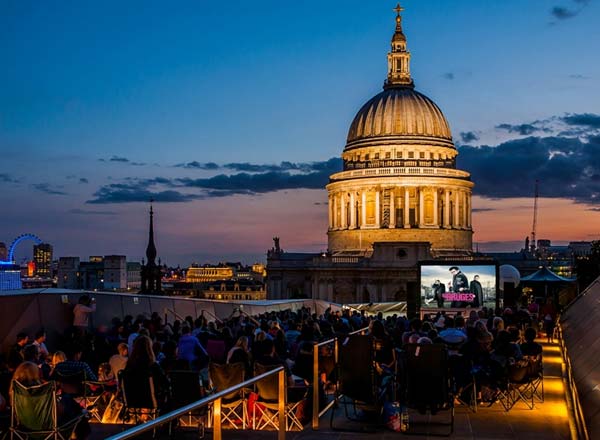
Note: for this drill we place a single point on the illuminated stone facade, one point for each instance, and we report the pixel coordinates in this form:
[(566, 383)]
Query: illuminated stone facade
[(400, 181), (399, 200), (208, 273)]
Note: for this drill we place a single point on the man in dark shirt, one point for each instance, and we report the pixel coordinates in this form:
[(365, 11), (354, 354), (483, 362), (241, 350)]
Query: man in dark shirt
[(15, 355), (476, 290), (72, 366), (460, 284)]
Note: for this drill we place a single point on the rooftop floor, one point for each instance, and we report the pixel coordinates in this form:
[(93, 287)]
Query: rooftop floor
[(548, 420)]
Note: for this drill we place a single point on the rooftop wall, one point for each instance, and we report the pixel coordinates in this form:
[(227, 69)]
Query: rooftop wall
[(581, 333)]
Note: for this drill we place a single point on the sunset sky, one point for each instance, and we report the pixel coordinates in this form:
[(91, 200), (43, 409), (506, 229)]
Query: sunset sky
[(233, 115)]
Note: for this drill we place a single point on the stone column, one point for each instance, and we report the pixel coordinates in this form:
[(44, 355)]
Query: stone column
[(343, 223), (456, 210), (435, 208), (377, 209), (363, 210), (463, 210), (469, 211), (406, 207), (330, 205), (335, 216), (352, 211), (446, 208), (421, 208), (392, 209)]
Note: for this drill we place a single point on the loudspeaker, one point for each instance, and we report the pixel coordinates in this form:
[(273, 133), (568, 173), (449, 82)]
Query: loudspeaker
[(413, 299)]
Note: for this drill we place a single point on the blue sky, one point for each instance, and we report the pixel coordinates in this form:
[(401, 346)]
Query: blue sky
[(152, 85)]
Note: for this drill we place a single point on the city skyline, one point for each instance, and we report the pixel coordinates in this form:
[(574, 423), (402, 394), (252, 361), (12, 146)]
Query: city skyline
[(233, 124)]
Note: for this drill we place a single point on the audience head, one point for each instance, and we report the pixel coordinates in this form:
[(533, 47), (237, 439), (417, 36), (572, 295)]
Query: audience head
[(40, 336), (122, 349), (485, 340), (185, 329), (498, 324), (378, 330), (141, 355), (22, 339), (58, 357), (415, 324), (530, 334), (27, 374), (242, 342), (424, 340)]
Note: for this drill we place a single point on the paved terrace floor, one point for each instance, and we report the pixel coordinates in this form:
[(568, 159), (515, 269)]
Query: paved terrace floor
[(548, 420)]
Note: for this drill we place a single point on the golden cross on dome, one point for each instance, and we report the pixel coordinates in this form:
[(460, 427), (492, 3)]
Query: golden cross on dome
[(398, 9)]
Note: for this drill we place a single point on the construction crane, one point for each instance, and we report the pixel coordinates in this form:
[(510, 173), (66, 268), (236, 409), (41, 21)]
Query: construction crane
[(535, 210)]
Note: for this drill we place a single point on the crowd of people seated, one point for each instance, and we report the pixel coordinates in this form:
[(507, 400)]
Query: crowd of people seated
[(490, 340)]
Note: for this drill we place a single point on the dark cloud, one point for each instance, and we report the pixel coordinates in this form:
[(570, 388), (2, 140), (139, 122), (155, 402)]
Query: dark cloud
[(590, 120), (48, 189), (448, 76), (7, 178), (566, 168), (87, 212), (246, 183), (167, 190), (521, 129), (83, 180), (199, 166), (564, 13), (118, 159), (129, 193), (121, 159), (469, 136), (482, 209), (578, 76), (247, 167)]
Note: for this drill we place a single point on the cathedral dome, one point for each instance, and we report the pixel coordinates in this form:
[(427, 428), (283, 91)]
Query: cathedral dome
[(398, 112)]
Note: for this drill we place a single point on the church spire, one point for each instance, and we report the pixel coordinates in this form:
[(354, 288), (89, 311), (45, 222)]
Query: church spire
[(398, 58), (151, 249)]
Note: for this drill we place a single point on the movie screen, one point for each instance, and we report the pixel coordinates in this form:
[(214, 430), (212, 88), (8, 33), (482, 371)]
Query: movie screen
[(458, 286)]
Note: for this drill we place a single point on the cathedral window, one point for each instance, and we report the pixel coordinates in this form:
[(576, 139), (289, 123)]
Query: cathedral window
[(422, 155), (411, 155), (366, 157), (388, 155), (376, 155), (398, 154)]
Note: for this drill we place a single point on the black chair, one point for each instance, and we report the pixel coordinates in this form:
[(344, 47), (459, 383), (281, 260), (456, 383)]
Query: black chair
[(465, 382), (233, 406), (357, 381), (139, 396), (187, 388), (517, 386), (427, 383), (536, 376)]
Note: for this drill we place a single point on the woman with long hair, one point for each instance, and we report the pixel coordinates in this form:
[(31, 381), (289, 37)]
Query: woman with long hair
[(28, 375), (240, 353), (142, 361)]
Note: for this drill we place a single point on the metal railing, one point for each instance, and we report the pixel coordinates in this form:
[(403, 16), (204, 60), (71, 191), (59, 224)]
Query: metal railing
[(411, 171), (216, 400), (316, 414)]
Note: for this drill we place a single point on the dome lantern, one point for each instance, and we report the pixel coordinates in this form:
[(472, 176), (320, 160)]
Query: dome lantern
[(398, 58)]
